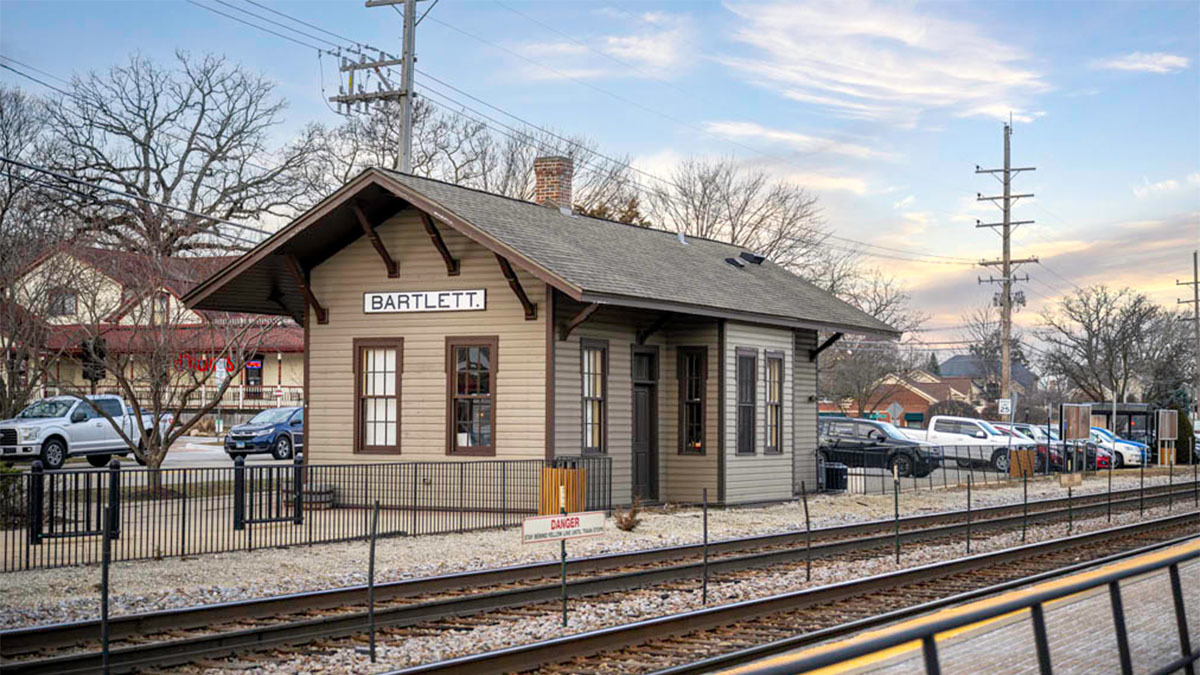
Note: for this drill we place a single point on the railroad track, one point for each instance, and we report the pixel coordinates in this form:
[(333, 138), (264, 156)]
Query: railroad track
[(180, 636), (709, 639)]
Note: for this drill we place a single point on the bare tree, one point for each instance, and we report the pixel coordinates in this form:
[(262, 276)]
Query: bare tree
[(162, 357), (464, 151), (719, 199), (195, 137), (983, 332), (1097, 340)]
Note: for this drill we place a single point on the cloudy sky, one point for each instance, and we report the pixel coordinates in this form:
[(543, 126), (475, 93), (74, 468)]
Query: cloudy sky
[(884, 110)]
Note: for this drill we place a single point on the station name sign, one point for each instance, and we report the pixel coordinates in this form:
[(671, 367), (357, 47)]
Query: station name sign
[(564, 526), (425, 301)]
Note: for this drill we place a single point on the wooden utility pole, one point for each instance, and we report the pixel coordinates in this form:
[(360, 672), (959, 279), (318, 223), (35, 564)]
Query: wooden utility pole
[(1195, 303), (349, 96), (1006, 264)]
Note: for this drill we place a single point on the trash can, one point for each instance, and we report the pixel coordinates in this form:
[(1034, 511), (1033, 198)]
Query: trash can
[(835, 477)]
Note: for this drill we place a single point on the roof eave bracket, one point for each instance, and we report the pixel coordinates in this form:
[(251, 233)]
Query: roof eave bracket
[(644, 334), (302, 284), (393, 268), (564, 331), (814, 353), (515, 284), (452, 264)]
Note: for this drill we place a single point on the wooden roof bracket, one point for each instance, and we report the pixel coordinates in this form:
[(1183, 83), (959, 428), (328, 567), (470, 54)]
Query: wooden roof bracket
[(302, 283), (814, 353), (276, 298), (515, 284), (393, 269), (564, 331), (644, 334), (452, 265)]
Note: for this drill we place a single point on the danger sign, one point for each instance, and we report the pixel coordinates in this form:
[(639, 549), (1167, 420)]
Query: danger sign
[(564, 526)]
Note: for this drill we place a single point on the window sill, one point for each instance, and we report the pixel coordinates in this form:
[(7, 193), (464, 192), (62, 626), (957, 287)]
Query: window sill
[(377, 451), (472, 452)]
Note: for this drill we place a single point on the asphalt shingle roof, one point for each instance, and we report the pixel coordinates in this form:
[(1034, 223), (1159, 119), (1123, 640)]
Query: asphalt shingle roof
[(610, 258)]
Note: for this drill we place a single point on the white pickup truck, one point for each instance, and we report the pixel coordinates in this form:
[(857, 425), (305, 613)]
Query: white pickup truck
[(964, 431), (52, 429)]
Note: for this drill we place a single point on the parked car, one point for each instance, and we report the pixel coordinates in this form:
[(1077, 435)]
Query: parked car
[(53, 429), (949, 432), (1125, 453), (278, 431), (875, 444), (1045, 452)]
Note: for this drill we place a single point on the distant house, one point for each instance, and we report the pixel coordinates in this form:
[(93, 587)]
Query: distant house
[(914, 392), (982, 374), (73, 290)]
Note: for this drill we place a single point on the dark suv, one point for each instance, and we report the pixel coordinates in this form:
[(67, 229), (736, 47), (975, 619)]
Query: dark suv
[(869, 443)]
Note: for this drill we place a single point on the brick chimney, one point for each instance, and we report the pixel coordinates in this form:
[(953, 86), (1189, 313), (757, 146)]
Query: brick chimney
[(552, 185)]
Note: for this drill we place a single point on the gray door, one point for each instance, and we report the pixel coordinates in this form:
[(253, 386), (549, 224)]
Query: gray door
[(645, 450)]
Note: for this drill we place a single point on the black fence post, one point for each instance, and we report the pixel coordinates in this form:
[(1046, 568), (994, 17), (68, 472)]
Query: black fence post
[(1070, 510), (704, 587), (371, 582), (239, 493), (1141, 486), (114, 497), (105, 560), (37, 497), (298, 489), (1185, 643), (1109, 485), (969, 481), (896, 506), (1024, 504)]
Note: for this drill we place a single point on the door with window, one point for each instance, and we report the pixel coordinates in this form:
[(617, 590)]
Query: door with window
[(645, 423)]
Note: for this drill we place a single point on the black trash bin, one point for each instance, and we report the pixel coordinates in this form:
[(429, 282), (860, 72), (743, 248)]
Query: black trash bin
[(835, 477)]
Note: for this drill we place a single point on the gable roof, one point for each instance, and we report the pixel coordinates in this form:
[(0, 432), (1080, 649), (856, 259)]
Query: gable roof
[(589, 259), (972, 366)]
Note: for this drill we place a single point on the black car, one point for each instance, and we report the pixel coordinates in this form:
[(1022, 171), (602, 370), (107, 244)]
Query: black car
[(869, 443)]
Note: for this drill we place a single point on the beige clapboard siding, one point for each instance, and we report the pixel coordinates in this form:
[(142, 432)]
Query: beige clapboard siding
[(339, 284), (757, 477), (804, 385), (680, 478)]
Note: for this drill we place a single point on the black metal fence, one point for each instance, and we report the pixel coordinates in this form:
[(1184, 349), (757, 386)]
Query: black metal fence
[(871, 471), (54, 518)]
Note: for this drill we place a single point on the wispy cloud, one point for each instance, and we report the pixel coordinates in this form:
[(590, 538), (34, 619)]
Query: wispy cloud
[(882, 62), (905, 203), (657, 47), (1147, 189), (820, 182), (1145, 62), (795, 140)]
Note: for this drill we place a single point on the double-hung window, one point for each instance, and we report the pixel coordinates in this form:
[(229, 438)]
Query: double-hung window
[(594, 369), (471, 364), (774, 402), (693, 387), (378, 363), (747, 384)]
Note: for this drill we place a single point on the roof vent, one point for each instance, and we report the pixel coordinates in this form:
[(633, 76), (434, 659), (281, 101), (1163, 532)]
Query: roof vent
[(752, 258), (735, 262), (682, 239)]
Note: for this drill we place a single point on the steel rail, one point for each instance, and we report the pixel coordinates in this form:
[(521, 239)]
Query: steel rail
[(557, 650), (182, 650), (14, 642)]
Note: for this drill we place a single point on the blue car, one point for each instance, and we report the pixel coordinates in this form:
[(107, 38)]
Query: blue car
[(278, 431)]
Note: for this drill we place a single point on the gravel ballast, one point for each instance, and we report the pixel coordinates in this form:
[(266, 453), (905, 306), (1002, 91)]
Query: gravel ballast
[(65, 594), (588, 614)]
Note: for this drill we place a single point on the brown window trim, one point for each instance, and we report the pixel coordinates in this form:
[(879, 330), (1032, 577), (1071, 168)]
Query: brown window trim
[(602, 345), (359, 344), (768, 357), (739, 354), (453, 341), (680, 353)]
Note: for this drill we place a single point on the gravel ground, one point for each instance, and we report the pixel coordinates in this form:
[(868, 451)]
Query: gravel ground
[(636, 606), (49, 596)]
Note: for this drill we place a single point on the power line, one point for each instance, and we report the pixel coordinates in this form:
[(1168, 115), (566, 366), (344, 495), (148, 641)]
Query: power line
[(146, 200), (252, 25)]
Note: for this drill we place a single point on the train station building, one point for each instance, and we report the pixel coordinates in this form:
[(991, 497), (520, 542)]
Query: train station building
[(442, 323)]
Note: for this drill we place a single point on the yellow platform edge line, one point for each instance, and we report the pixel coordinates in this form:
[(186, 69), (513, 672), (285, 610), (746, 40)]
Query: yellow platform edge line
[(891, 652)]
